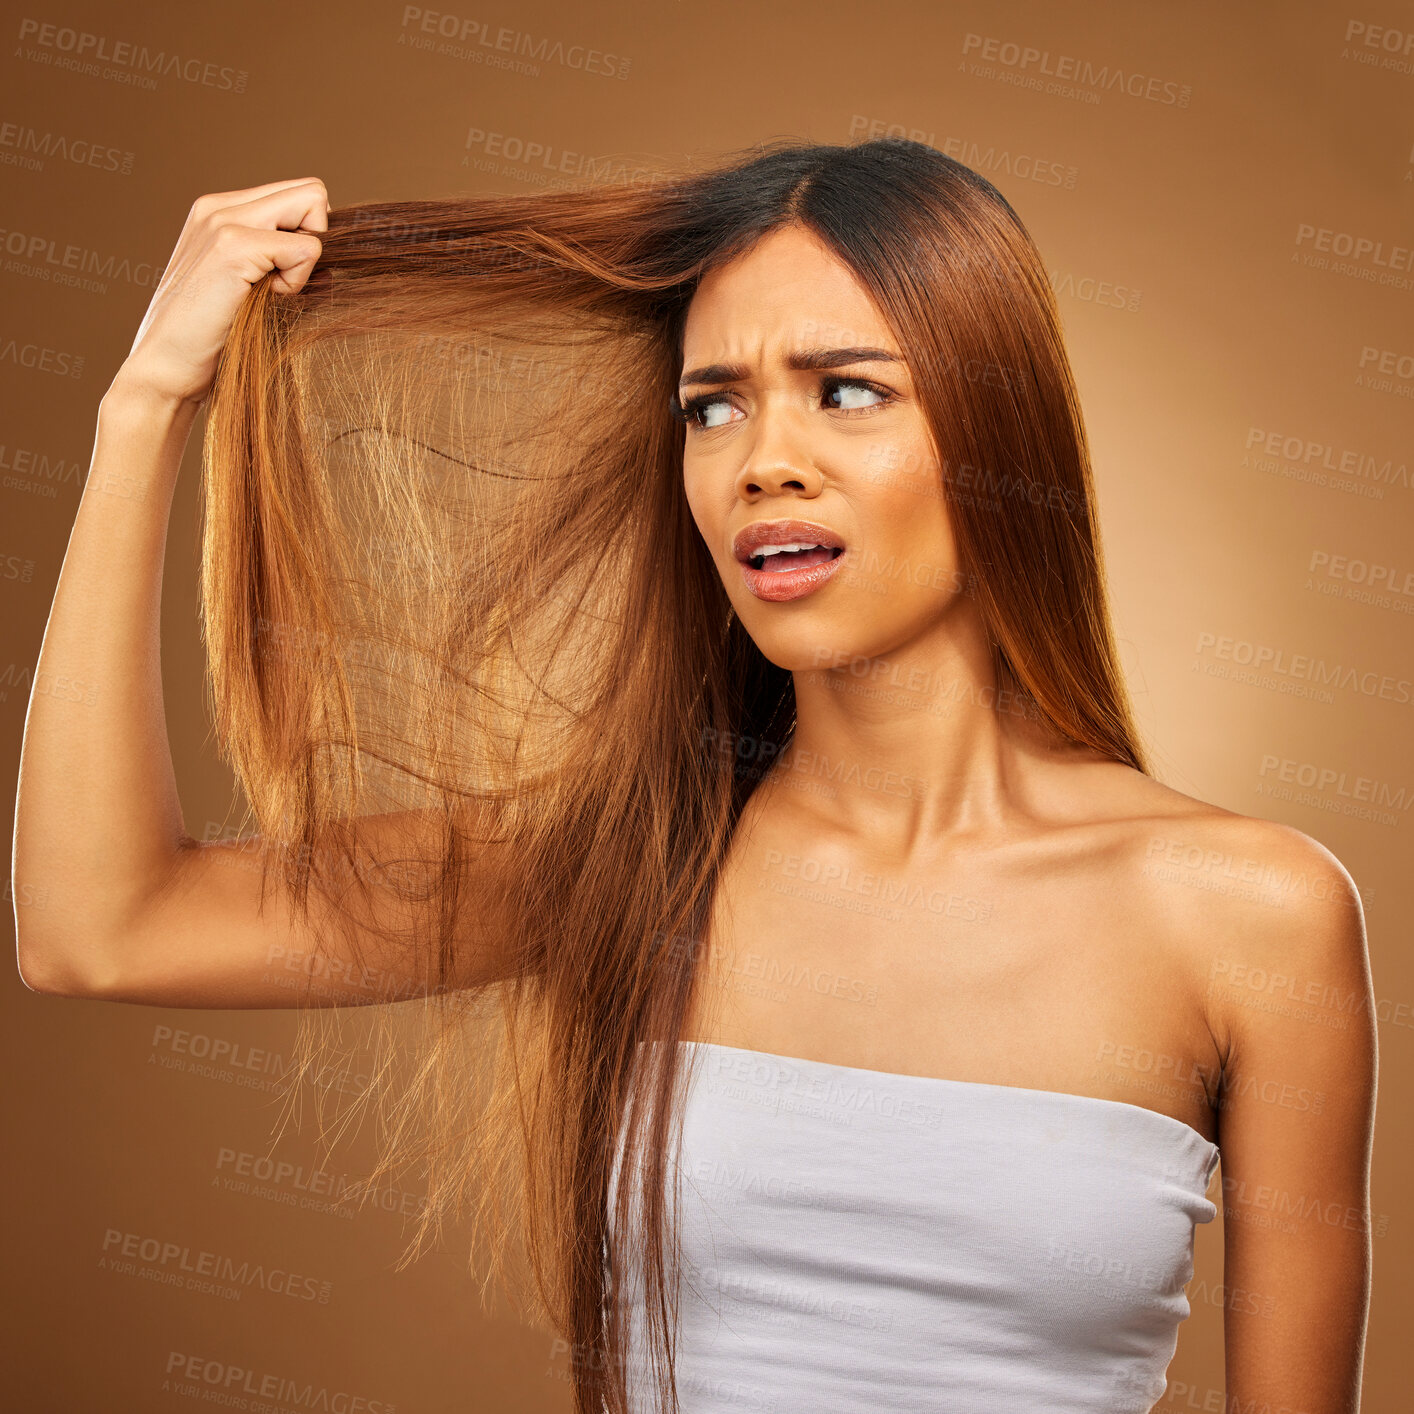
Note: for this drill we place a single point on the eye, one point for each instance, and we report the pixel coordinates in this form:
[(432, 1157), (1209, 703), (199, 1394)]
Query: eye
[(852, 387), (692, 411), (697, 412)]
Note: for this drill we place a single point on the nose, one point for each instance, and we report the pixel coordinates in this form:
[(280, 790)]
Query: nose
[(775, 462)]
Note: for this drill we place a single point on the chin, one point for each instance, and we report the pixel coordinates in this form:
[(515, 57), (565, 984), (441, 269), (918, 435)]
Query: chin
[(803, 646)]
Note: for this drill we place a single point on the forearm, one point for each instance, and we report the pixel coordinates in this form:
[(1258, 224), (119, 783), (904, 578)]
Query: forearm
[(98, 821)]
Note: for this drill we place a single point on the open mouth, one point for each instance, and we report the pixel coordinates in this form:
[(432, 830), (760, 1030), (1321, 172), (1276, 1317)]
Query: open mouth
[(782, 560), (777, 559)]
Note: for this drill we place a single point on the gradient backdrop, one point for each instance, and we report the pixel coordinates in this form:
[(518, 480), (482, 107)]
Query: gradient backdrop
[(1223, 197)]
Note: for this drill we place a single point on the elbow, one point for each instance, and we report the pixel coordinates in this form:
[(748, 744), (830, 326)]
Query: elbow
[(46, 969), (61, 949), (42, 977)]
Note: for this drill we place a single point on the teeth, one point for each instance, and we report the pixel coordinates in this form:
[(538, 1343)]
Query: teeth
[(764, 550)]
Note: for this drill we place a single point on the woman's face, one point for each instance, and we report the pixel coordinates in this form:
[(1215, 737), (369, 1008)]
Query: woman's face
[(841, 446)]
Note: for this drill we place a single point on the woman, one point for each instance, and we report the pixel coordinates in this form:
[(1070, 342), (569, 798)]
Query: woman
[(677, 615)]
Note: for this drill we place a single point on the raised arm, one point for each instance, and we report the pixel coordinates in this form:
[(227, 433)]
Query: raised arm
[(112, 897)]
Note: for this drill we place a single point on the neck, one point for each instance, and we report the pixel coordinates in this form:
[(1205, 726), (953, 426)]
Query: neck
[(918, 746)]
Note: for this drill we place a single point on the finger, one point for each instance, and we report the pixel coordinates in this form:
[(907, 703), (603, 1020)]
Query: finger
[(302, 207), (292, 255), (245, 194), (299, 206), (249, 255)]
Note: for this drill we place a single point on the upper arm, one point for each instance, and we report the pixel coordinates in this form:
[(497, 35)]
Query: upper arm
[(211, 936), (1290, 993)]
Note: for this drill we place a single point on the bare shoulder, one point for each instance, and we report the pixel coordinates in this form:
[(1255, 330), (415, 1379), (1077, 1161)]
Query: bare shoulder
[(1268, 917)]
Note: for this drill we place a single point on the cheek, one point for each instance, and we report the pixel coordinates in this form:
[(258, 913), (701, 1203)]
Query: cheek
[(707, 514), (911, 469), (694, 493), (908, 544), (901, 480)]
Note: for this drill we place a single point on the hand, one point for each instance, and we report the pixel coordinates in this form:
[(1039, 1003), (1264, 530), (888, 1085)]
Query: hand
[(230, 240)]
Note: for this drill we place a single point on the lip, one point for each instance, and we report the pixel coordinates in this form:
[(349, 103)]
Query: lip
[(779, 586)]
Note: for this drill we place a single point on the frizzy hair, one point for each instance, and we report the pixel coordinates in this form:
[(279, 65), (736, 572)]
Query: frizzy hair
[(450, 580)]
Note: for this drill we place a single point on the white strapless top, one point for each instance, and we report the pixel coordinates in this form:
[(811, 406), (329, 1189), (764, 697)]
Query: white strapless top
[(861, 1240)]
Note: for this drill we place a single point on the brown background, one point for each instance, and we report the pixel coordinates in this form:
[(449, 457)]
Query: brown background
[(1201, 324)]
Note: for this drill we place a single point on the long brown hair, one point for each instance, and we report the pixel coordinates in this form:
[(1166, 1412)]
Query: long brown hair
[(449, 569)]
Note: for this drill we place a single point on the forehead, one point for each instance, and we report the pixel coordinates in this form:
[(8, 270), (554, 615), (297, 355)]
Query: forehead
[(789, 290)]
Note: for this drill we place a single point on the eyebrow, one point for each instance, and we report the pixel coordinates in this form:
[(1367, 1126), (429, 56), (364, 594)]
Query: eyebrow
[(801, 360)]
